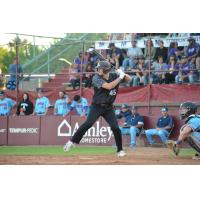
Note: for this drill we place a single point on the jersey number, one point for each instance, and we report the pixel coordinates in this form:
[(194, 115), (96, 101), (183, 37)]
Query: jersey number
[(113, 92)]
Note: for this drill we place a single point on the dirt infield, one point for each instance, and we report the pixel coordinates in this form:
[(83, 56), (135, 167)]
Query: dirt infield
[(141, 156)]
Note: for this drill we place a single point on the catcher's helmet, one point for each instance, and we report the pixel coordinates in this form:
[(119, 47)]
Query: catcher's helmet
[(105, 65), (187, 109)]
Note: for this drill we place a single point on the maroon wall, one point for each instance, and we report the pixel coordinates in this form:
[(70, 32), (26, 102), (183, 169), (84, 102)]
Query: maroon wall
[(54, 130), (23, 130), (3, 130), (50, 130)]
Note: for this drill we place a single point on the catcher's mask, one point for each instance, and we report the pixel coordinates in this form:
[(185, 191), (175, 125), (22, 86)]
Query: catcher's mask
[(187, 109), (105, 65)]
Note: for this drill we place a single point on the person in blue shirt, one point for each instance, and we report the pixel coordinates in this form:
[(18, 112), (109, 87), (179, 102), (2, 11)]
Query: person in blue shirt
[(11, 85), (81, 105), (6, 104), (42, 104), (133, 123), (190, 131), (192, 49), (187, 72), (163, 127), (62, 106)]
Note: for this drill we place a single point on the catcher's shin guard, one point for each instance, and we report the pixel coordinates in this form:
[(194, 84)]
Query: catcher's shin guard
[(173, 146), (191, 140)]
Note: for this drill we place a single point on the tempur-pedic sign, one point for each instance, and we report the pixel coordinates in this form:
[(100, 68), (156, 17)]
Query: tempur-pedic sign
[(94, 135), (24, 130)]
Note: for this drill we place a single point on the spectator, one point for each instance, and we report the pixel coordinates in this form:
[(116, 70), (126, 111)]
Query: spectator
[(163, 127), (78, 61), (42, 104), (174, 50), (133, 123), (116, 52), (161, 51), (114, 60), (160, 69), (186, 72), (25, 106), (149, 51), (74, 77), (2, 80), (11, 85), (198, 64), (141, 73), (173, 68), (87, 79), (63, 105), (192, 49), (93, 58), (132, 53), (6, 104), (81, 105)]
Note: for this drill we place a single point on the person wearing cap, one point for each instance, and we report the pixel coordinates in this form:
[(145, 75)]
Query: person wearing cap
[(187, 72), (81, 105), (192, 49), (163, 127), (6, 104), (133, 123), (106, 85), (140, 73), (62, 105), (114, 53), (42, 104)]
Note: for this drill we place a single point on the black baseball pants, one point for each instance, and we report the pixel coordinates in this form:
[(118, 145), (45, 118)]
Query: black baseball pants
[(108, 114)]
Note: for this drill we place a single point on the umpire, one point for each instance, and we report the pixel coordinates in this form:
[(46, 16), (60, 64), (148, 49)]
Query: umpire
[(106, 86)]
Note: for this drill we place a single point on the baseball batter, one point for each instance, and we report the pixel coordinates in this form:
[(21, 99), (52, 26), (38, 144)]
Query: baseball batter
[(106, 86)]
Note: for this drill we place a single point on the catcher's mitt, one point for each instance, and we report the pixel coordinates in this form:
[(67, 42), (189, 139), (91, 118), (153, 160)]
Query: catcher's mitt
[(173, 146)]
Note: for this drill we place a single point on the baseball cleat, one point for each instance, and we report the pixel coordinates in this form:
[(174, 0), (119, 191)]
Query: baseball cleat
[(68, 146), (121, 153), (173, 146), (196, 157)]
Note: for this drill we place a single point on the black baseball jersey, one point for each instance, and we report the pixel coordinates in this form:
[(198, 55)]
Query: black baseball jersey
[(102, 95)]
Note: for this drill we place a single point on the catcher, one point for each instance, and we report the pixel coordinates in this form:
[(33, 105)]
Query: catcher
[(190, 131)]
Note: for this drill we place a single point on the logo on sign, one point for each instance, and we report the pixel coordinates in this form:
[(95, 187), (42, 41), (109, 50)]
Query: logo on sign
[(23, 130), (95, 134), (2, 130)]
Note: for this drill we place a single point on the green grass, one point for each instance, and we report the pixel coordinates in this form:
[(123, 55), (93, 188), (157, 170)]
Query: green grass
[(187, 152), (54, 150), (58, 150)]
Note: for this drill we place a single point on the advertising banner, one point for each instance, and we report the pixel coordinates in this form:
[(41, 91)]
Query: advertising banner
[(23, 130), (124, 44), (55, 130), (3, 130)]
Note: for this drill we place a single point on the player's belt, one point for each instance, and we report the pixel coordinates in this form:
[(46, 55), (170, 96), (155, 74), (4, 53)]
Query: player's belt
[(104, 105)]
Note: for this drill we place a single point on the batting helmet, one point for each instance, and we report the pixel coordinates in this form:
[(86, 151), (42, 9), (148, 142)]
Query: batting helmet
[(187, 109), (105, 65)]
